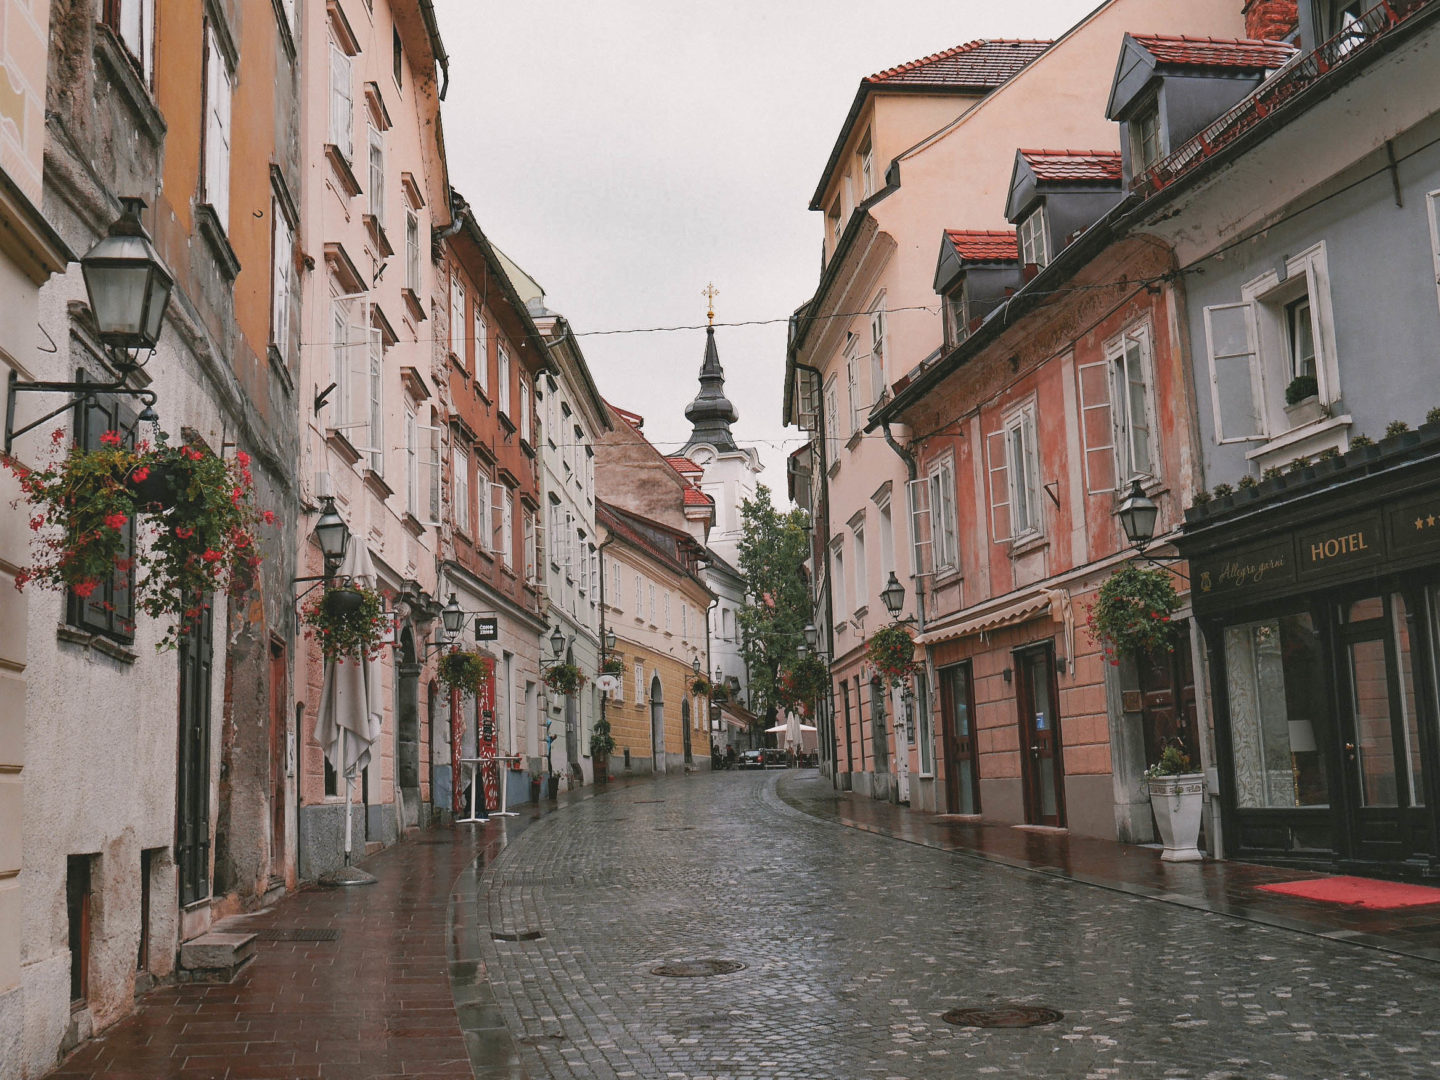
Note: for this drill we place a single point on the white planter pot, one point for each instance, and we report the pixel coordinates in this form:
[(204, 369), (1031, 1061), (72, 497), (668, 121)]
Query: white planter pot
[(1177, 802)]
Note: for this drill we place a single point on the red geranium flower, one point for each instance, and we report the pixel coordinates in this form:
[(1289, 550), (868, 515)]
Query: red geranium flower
[(111, 438), (116, 521), (140, 475)]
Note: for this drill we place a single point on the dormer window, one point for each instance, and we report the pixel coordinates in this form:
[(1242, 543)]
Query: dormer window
[(1034, 244), (836, 221), (957, 316), (866, 154), (1145, 138)]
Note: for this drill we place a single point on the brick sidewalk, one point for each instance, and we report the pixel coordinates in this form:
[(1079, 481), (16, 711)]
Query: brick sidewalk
[(375, 1003), (1223, 887)]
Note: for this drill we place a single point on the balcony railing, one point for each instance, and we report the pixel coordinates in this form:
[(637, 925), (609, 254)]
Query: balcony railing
[(1352, 41)]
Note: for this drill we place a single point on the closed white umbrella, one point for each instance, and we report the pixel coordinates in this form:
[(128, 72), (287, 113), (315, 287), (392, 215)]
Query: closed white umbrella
[(350, 717)]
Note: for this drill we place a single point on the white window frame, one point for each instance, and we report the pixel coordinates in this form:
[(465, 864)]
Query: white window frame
[(532, 561), (667, 609), (639, 682), (134, 25), (412, 463), (507, 529), (837, 575), (852, 383), (1034, 238), (650, 592), (866, 154), (1141, 160), (1024, 481), (219, 90), (376, 157), (460, 468), (879, 340), (375, 398), (940, 501), (282, 279), (484, 513), (832, 420), (1266, 359), (456, 330), (342, 102), (615, 586), (412, 250), (886, 527), (957, 310), (857, 543), (526, 434), (502, 378), (1124, 354), (482, 350)]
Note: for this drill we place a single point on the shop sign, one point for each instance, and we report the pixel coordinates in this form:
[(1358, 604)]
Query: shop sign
[(1341, 546), (1262, 566), (1415, 526)]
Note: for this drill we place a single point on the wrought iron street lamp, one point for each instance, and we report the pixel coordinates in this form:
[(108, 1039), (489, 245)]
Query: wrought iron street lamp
[(557, 642), (452, 616), (128, 285), (812, 636), (332, 534), (1137, 514), (609, 640), (893, 595)]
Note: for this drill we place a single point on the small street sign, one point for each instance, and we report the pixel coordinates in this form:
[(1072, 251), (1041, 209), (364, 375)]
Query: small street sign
[(487, 628)]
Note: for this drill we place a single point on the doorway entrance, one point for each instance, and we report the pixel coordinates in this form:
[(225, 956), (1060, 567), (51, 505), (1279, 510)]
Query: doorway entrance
[(685, 731), (279, 742), (957, 711), (657, 724), (1041, 748), (1167, 701), (192, 818), (1380, 756)]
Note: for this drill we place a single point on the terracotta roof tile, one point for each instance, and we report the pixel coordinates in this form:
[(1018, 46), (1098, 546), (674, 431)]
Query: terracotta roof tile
[(695, 497), (682, 464), (980, 246), (1099, 165), (1245, 53), (986, 62)]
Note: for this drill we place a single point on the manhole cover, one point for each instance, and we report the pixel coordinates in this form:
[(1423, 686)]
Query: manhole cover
[(1003, 1016), (697, 969), (517, 935), (274, 934)]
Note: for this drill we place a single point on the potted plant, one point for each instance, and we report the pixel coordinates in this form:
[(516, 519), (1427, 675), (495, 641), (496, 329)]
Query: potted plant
[(719, 692), (1223, 495), (1247, 488), (1329, 461), (344, 630), (1199, 507), (464, 671), (1362, 449), (564, 679), (1132, 611), (701, 686), (612, 664), (1302, 401), (1398, 436), (1431, 426), (892, 653), (1177, 796), (84, 512), (602, 745)]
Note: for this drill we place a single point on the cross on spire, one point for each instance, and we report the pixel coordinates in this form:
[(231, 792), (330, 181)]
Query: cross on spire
[(710, 292)]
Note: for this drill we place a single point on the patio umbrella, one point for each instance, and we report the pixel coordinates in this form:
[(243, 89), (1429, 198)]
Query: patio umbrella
[(350, 717)]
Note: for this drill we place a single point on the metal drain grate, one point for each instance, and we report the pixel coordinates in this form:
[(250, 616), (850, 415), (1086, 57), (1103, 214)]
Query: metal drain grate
[(1003, 1016), (674, 828), (281, 934), (539, 1040), (697, 969), (517, 935), (647, 802)]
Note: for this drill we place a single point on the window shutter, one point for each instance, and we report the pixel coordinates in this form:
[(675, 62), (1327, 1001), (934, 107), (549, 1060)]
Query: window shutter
[(282, 258), (497, 516), (1138, 404), (357, 374), (342, 106), (999, 463), (921, 525), (1097, 427), (217, 132), (430, 474), (1235, 378), (375, 391)]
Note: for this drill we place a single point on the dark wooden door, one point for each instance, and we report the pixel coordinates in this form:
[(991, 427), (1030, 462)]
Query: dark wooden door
[(279, 736), (1380, 752), (192, 841), (957, 737), (1167, 701), (1041, 748)]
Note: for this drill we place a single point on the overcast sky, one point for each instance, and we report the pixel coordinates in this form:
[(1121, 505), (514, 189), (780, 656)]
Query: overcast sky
[(627, 152)]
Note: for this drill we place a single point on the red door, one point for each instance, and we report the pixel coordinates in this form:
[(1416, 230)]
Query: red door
[(1041, 749)]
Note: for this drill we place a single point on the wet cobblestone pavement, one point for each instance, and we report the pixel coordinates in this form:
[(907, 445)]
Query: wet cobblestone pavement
[(856, 944)]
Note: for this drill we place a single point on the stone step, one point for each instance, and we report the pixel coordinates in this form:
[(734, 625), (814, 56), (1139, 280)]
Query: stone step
[(216, 956)]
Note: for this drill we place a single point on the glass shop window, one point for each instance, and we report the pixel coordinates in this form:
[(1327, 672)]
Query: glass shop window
[(1276, 676)]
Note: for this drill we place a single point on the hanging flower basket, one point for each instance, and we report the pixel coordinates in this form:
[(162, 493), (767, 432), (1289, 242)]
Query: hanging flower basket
[(464, 671), (892, 653), (564, 679), (701, 686), (342, 628), (198, 536), (1132, 612), (612, 665), (719, 692)]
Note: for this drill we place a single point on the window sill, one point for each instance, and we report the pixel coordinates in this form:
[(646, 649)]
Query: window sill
[(340, 165), (377, 485), (1306, 441), (1027, 545), (281, 369), (214, 232), (459, 366), (337, 441), (860, 613), (413, 525), (412, 304), (89, 639), (525, 445), (377, 235), (116, 58), (508, 424)]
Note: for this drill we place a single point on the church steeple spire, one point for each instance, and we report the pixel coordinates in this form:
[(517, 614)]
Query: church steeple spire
[(711, 413)]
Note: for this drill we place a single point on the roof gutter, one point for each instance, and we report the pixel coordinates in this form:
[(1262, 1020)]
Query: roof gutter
[(432, 28), (465, 219)]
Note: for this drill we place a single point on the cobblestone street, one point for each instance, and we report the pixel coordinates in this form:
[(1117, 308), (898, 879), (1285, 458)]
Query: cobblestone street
[(855, 945)]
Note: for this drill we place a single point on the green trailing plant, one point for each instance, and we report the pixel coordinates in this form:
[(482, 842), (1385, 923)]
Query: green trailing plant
[(1300, 388), (346, 631), (1433, 416), (1362, 440), (601, 740), (1173, 761), (564, 679), (1132, 611), (1396, 427), (85, 508), (1220, 491), (464, 671), (891, 653)]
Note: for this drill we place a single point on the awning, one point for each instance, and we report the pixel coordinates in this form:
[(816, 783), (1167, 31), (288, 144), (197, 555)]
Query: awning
[(1052, 600)]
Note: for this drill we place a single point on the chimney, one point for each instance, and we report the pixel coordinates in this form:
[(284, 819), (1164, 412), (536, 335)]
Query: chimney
[(1273, 20)]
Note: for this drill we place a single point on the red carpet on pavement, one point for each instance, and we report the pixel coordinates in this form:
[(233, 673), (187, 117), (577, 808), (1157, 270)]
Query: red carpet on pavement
[(1361, 892)]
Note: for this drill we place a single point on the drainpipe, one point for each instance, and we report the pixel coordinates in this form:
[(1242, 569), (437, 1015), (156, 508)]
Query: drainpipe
[(605, 697), (912, 472), (824, 516), (458, 209)]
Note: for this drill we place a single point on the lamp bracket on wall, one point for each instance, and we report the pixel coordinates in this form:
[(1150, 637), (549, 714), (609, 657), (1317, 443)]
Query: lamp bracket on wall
[(79, 391)]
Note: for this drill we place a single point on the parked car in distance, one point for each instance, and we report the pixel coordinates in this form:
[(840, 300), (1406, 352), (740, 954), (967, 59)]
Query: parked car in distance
[(775, 759), (750, 759)]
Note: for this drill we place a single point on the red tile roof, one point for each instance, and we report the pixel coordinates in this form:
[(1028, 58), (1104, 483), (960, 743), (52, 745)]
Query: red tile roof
[(1245, 53), (1074, 164), (986, 62), (981, 246), (683, 465), (695, 497)]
